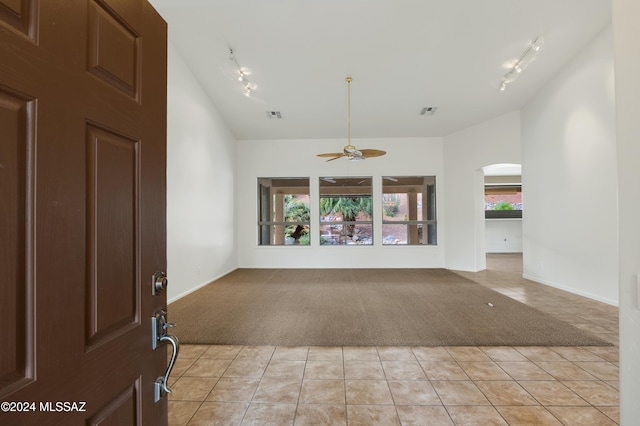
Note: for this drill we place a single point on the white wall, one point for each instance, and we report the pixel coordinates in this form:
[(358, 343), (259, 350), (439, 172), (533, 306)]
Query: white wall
[(626, 34), (297, 158), (465, 154), (503, 235), (201, 161), (569, 177)]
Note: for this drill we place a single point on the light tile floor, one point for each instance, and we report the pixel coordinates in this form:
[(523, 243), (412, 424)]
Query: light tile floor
[(275, 385)]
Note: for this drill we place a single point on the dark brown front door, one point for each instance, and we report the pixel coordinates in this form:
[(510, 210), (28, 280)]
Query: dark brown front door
[(82, 211)]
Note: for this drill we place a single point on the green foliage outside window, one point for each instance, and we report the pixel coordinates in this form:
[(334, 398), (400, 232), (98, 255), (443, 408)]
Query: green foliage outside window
[(348, 207), (390, 204), (297, 211), (503, 205)]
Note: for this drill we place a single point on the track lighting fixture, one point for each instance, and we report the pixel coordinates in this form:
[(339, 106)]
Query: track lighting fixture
[(242, 75), (521, 63)]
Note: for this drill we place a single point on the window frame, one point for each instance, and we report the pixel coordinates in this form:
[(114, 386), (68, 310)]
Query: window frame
[(493, 189), (270, 232), (415, 228), (353, 186)]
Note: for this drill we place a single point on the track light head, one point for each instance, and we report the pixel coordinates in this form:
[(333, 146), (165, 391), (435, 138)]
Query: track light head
[(242, 75), (521, 63)]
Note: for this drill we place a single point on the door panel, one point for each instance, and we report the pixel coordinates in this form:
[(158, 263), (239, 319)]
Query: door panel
[(82, 219), (112, 229), (16, 218), (21, 16), (114, 49), (124, 409)]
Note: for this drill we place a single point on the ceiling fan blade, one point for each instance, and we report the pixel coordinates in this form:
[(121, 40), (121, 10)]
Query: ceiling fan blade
[(335, 158), (330, 154), (372, 153)]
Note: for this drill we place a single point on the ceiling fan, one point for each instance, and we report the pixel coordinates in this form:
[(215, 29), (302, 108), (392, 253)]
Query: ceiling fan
[(351, 152)]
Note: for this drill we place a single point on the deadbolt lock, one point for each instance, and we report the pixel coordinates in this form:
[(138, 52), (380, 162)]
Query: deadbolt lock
[(159, 283)]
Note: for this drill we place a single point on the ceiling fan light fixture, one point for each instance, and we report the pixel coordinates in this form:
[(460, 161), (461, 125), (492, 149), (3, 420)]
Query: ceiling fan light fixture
[(350, 151)]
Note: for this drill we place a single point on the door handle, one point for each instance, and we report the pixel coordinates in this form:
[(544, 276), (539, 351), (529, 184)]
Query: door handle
[(161, 387), (159, 327)]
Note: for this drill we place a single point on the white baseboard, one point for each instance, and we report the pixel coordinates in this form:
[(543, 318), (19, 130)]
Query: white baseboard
[(572, 290), (198, 287)]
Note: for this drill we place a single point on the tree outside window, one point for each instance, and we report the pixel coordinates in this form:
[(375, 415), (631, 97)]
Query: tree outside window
[(346, 211)]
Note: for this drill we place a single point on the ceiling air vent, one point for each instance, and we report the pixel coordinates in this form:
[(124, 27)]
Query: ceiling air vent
[(428, 110), (274, 114)]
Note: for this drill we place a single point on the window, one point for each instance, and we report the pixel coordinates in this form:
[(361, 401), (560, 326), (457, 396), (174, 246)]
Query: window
[(409, 210), (283, 217), (502, 200), (345, 211)]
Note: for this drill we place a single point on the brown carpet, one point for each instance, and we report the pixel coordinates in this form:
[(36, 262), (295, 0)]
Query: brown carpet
[(363, 307)]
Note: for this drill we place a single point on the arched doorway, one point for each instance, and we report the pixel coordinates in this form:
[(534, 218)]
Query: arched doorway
[(503, 208)]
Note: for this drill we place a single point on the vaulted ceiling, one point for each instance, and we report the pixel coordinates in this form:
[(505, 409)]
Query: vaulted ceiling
[(403, 55)]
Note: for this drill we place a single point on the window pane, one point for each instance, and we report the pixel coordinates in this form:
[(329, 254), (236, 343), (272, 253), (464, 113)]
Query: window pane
[(409, 210), (507, 197), (283, 216), (345, 211), (502, 201)]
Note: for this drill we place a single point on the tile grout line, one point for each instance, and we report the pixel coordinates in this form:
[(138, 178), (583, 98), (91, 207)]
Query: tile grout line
[(433, 387), (295, 414)]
